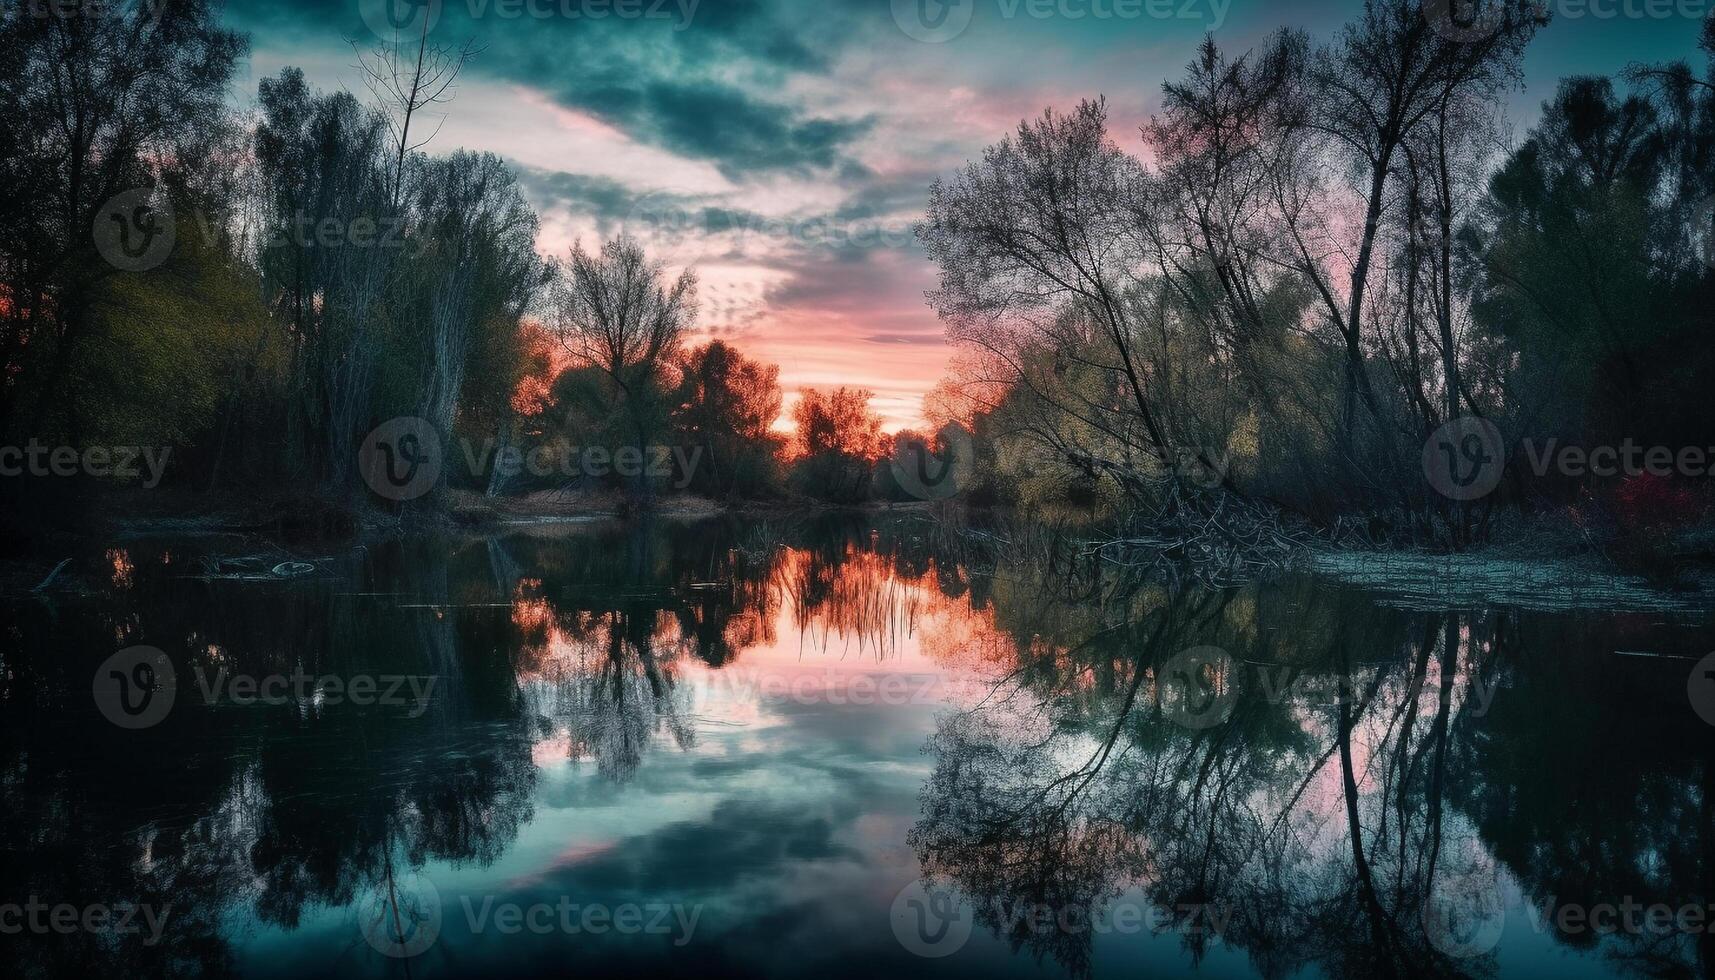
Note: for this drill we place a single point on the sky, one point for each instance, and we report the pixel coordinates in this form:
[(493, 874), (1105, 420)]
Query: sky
[(784, 148)]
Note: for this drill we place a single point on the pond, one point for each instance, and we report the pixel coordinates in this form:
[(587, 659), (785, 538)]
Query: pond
[(832, 746)]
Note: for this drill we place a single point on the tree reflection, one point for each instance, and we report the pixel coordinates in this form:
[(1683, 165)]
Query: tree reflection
[(1353, 814), (1375, 778)]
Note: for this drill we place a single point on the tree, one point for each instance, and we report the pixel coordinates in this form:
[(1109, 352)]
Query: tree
[(615, 311), (727, 404), (1037, 228), (320, 159), (474, 272), (96, 98), (1363, 99), (1587, 289), (407, 78), (836, 443)]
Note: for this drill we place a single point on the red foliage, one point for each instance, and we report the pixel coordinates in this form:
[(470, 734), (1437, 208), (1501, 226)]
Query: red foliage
[(1647, 501)]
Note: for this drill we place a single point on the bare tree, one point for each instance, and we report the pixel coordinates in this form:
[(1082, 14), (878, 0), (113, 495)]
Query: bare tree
[(476, 268), (1038, 229), (406, 79), (616, 311), (1362, 100)]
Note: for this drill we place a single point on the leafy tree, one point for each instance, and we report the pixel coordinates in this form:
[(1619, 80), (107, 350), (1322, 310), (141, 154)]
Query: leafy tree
[(320, 159), (727, 404), (97, 99), (1592, 298), (837, 442), (615, 311)]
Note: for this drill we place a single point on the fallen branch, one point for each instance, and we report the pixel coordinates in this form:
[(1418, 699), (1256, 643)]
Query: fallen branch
[(51, 576)]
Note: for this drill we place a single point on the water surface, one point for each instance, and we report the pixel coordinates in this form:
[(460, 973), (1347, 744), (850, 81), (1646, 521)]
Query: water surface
[(832, 747)]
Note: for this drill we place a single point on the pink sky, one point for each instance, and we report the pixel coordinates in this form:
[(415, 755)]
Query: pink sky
[(821, 128)]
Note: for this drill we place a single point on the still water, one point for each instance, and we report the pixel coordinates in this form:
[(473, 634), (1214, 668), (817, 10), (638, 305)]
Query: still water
[(834, 747)]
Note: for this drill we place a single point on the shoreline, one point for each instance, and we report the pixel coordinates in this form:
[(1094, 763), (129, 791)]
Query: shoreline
[(1532, 567)]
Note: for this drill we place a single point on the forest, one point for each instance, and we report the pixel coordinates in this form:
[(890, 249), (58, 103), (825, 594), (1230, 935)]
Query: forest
[(1249, 477), (1325, 291)]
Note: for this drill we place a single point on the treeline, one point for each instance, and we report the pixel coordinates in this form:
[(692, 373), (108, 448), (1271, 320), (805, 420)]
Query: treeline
[(1332, 253), (256, 290), (260, 290)]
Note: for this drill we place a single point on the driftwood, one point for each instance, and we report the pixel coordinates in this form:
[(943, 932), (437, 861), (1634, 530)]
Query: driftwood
[(1206, 534), (1215, 536), (51, 576), (254, 568)]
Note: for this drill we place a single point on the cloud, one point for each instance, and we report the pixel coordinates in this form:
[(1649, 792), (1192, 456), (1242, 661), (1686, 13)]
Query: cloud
[(783, 151), (738, 838), (705, 90), (707, 120)]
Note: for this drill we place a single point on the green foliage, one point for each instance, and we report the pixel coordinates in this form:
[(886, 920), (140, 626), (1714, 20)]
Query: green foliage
[(167, 349), (1590, 293)]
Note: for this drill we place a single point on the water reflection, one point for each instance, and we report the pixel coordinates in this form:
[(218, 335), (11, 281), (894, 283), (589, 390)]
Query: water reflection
[(1335, 787)]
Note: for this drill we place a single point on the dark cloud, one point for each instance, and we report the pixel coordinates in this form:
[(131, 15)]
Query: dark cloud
[(608, 200), (707, 89), (703, 120), (906, 193), (752, 27)]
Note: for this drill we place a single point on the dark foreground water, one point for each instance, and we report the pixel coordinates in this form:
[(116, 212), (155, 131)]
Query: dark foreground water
[(832, 749)]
